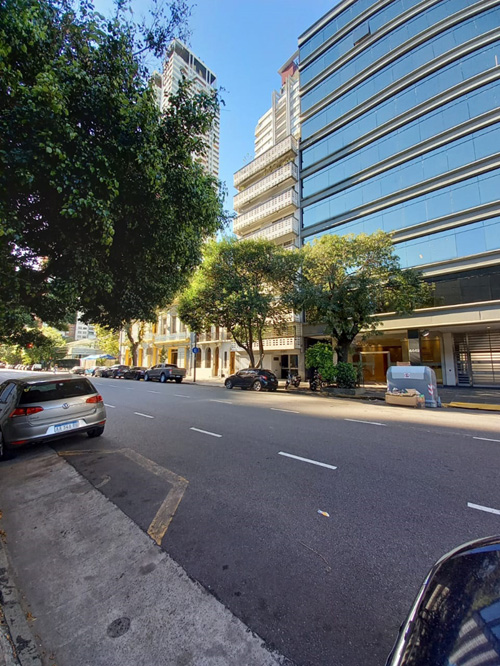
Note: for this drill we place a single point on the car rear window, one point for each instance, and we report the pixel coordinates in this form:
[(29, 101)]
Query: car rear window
[(56, 390)]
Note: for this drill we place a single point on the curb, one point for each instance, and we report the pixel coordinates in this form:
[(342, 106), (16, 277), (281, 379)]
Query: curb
[(17, 644), (474, 405)]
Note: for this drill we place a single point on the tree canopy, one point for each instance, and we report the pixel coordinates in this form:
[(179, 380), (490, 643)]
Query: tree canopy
[(346, 280), (103, 206), (242, 286)]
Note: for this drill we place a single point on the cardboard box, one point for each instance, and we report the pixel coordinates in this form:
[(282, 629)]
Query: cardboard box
[(405, 400)]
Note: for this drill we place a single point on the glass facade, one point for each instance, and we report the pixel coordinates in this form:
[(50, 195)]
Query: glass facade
[(401, 126)]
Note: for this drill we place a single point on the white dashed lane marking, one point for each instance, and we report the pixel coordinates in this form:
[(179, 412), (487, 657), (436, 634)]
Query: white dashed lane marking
[(146, 416), (307, 460), (368, 422), (206, 432), (479, 507)]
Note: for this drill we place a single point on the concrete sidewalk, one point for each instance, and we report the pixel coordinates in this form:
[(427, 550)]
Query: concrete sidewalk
[(487, 399), (95, 588)]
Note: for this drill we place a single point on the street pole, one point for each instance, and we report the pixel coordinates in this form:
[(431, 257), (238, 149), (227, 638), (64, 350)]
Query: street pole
[(194, 368)]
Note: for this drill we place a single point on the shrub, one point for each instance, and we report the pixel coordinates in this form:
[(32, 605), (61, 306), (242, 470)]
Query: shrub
[(346, 375), (320, 356)]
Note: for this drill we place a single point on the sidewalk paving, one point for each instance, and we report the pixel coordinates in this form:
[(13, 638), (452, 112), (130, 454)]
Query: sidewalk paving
[(487, 399), (96, 589)]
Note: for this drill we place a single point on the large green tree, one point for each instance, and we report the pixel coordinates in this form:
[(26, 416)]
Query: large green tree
[(346, 280), (103, 206), (242, 286)]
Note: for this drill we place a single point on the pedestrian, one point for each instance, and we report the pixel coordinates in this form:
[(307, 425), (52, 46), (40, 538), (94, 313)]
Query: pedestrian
[(55, 369)]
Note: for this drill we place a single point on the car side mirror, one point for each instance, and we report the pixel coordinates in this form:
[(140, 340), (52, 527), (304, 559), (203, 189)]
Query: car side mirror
[(455, 619)]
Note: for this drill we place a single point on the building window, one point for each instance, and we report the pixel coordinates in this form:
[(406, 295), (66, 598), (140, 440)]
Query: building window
[(208, 358)]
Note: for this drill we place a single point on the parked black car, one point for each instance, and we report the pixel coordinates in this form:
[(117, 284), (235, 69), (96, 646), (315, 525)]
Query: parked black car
[(253, 378), (111, 371), (136, 372)]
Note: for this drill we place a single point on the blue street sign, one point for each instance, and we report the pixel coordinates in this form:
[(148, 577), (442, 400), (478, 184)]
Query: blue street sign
[(196, 350)]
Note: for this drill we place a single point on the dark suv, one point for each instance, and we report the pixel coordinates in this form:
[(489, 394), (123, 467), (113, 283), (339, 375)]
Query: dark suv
[(253, 378)]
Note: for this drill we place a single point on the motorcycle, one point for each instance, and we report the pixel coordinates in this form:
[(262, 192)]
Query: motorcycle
[(455, 619), (316, 383), (292, 380)]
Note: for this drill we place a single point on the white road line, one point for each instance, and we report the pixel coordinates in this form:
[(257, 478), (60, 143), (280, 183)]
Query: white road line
[(224, 402), (153, 391), (486, 439), (181, 395), (369, 422), (291, 411), (313, 462), (145, 415), (112, 406), (483, 508), (206, 432)]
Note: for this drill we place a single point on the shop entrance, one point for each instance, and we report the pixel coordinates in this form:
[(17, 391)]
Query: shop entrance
[(477, 358), (289, 363)]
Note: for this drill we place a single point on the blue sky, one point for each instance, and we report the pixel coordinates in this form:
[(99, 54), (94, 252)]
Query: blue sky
[(245, 42)]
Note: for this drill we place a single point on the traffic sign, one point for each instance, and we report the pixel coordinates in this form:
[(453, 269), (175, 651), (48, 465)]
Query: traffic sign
[(196, 350)]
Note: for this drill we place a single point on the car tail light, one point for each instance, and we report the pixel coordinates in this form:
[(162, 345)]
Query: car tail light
[(25, 411), (94, 399)]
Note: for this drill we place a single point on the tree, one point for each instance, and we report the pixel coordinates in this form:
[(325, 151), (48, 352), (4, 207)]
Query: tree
[(346, 280), (107, 341), (50, 346), (243, 287), (103, 207)]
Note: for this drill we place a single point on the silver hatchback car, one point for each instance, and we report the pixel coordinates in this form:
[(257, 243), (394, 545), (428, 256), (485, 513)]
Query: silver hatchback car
[(37, 408)]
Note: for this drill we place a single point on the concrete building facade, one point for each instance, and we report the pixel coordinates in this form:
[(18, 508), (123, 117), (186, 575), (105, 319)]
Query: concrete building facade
[(401, 132), (267, 203)]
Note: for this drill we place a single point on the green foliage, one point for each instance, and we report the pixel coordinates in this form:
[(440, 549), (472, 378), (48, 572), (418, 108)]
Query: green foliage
[(346, 375), (320, 356), (107, 341), (103, 207), (346, 280), (242, 286)]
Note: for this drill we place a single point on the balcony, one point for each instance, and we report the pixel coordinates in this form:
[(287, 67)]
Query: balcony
[(286, 148), (275, 344), (288, 172), (286, 229), (280, 206), (169, 337)]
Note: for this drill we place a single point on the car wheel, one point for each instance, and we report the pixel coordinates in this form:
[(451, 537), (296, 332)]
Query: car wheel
[(257, 386), (146, 377), (163, 378), (228, 384), (178, 380), (138, 378), (95, 432)]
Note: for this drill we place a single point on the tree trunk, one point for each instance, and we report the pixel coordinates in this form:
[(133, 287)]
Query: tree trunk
[(342, 348), (247, 348), (261, 351), (134, 344)]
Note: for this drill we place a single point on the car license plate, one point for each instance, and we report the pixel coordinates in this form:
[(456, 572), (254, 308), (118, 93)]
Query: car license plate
[(63, 427)]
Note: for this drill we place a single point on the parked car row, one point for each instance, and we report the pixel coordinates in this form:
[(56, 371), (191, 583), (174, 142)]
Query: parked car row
[(161, 372)]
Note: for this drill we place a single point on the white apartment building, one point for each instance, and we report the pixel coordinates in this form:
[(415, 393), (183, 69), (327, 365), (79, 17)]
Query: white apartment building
[(180, 63), (83, 331), (267, 203)]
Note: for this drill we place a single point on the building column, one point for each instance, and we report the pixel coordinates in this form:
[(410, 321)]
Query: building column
[(448, 360)]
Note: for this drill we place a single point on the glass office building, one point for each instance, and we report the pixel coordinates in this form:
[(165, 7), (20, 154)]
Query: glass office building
[(400, 108)]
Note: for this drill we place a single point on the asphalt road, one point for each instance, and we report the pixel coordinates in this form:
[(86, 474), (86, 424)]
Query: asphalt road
[(395, 483)]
